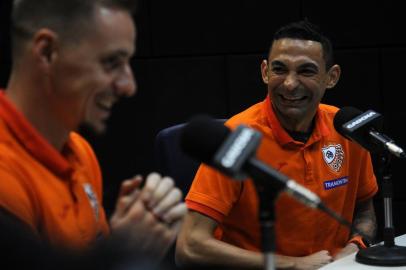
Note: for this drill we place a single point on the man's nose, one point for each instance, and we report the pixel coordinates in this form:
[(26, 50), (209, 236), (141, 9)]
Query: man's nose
[(125, 84), (291, 81)]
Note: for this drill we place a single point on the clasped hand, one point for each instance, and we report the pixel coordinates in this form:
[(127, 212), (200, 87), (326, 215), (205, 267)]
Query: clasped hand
[(149, 217)]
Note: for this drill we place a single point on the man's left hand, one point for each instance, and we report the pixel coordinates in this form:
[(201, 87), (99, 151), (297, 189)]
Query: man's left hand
[(347, 250)]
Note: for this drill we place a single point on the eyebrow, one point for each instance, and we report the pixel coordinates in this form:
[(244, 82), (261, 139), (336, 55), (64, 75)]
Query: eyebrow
[(277, 63), (120, 53), (309, 65)]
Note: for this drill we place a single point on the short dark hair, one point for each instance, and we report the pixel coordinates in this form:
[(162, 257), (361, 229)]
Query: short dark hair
[(305, 30), (69, 18)]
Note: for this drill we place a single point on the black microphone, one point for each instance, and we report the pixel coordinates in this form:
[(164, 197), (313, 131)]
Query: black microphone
[(364, 128), (233, 153)]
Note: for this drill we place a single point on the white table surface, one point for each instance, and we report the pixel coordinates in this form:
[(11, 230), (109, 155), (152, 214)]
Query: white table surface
[(349, 263)]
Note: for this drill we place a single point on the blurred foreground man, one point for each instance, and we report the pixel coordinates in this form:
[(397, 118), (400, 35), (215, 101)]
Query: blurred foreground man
[(70, 66)]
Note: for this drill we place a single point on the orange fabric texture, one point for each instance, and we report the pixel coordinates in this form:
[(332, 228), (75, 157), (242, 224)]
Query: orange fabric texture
[(336, 169), (57, 195)]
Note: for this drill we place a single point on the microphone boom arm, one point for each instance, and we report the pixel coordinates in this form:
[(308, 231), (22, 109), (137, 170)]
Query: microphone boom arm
[(388, 143)]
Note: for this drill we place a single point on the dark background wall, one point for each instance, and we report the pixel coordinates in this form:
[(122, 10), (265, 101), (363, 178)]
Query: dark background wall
[(203, 56)]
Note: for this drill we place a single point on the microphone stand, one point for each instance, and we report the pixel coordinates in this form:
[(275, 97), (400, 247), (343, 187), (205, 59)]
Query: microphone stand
[(387, 254), (267, 222)]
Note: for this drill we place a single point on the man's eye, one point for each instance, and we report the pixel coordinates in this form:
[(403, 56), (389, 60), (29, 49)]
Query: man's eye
[(111, 63), (308, 72), (278, 70)]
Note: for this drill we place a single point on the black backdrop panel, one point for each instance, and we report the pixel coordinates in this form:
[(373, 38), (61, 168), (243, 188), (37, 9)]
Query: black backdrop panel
[(143, 26), (188, 86), (347, 23), (187, 27), (395, 110), (398, 213), (244, 82), (359, 82), (5, 51), (391, 18), (399, 221)]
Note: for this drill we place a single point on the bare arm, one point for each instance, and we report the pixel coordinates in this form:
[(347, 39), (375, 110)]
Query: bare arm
[(365, 219), (365, 222), (196, 246)]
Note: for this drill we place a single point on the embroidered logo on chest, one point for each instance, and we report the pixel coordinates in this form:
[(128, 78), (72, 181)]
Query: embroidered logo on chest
[(333, 155), (94, 203)]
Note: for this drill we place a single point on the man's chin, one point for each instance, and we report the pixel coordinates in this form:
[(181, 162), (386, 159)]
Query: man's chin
[(291, 111), (95, 129)]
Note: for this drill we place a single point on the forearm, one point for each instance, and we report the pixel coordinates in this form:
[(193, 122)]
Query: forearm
[(214, 253), (364, 222), (365, 219), (220, 255), (196, 246)]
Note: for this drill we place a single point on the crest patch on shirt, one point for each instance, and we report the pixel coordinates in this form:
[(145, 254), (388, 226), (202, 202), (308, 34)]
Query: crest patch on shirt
[(94, 202), (333, 155)]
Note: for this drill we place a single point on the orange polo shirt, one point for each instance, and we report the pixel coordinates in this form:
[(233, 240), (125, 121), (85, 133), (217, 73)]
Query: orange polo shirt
[(336, 169), (57, 194)]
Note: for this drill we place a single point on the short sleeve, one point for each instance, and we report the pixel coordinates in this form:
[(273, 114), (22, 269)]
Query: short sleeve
[(212, 193)]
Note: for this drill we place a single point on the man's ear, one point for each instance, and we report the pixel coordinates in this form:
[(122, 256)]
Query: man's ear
[(264, 71), (333, 76), (45, 47)]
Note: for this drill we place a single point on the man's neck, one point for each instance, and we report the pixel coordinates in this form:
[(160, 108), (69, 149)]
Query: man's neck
[(36, 110), (299, 135)]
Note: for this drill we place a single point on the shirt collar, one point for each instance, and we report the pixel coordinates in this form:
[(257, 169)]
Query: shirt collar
[(281, 135), (32, 140)]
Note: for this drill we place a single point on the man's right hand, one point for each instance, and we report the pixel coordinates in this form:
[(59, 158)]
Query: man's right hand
[(150, 217)]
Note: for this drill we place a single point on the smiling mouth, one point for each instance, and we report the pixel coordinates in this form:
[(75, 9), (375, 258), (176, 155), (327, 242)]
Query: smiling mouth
[(105, 105), (105, 101), (292, 100)]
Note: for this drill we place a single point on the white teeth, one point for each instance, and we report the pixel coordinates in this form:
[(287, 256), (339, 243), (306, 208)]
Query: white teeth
[(105, 104), (292, 98)]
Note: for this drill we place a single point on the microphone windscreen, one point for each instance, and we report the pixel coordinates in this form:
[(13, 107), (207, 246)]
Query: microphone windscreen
[(344, 115), (202, 137)]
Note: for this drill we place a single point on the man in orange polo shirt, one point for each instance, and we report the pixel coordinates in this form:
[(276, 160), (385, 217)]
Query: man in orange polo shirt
[(70, 65), (222, 228)]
